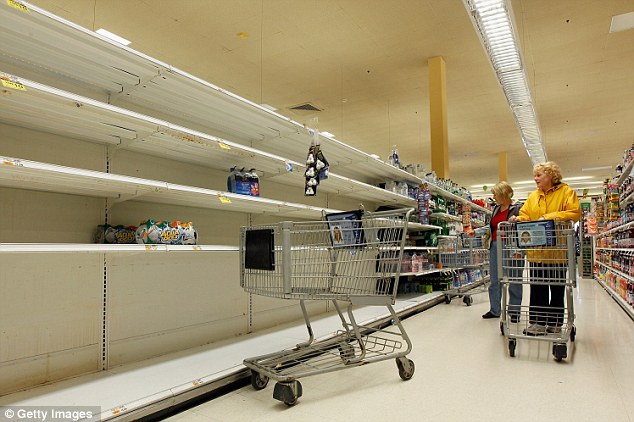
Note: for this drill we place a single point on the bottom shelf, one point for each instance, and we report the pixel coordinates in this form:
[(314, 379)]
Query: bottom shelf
[(132, 391), (626, 307)]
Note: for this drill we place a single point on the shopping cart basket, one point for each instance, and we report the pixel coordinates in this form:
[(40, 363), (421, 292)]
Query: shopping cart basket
[(468, 261), (548, 247), (354, 257)]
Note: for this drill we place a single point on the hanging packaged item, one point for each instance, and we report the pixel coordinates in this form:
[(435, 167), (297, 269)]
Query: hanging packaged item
[(316, 168)]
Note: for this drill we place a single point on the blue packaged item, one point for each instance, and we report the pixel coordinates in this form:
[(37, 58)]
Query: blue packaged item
[(243, 186)]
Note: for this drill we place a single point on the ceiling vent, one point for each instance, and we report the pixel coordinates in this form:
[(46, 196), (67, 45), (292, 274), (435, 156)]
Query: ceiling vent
[(305, 107)]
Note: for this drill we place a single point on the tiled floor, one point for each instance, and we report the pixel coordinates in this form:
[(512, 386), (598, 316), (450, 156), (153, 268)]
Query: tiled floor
[(464, 373)]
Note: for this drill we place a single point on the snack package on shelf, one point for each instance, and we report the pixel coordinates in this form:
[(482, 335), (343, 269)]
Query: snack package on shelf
[(105, 233), (162, 232)]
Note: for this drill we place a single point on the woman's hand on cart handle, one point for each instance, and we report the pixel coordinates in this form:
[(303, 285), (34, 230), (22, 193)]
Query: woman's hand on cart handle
[(512, 219)]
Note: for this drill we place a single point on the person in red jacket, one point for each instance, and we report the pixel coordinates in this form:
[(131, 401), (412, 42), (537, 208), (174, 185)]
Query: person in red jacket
[(504, 209), (552, 200)]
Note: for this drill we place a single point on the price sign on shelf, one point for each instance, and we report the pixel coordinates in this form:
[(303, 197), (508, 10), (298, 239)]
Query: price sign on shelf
[(224, 199), (18, 5), (13, 84)]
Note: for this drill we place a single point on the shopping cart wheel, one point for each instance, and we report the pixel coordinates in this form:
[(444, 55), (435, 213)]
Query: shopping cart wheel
[(288, 392), (468, 300), (406, 368), (447, 299), (573, 333), (512, 344), (259, 381), (560, 351)]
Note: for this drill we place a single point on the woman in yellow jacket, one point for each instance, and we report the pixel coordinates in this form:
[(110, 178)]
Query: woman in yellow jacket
[(552, 200)]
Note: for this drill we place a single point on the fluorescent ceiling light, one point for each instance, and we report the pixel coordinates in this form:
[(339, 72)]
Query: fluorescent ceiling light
[(622, 22), (584, 183), (483, 184), (524, 182), (566, 179), (113, 37), (597, 168), (493, 22)]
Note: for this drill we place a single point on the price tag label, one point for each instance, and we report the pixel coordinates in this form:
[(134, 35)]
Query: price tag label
[(13, 85), (222, 145), (16, 4), (13, 163), (224, 199), (150, 247)]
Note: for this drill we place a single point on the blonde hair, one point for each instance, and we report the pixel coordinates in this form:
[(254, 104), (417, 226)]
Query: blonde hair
[(503, 189), (551, 169)]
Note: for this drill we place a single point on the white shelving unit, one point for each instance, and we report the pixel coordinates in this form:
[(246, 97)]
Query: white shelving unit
[(93, 132), (96, 132), (24, 174), (39, 107), (34, 41)]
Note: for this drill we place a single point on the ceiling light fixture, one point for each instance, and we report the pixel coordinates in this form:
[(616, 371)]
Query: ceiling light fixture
[(622, 22), (596, 168), (113, 37), (493, 20)]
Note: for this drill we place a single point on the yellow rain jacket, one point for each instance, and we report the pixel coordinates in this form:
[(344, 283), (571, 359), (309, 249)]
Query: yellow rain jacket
[(559, 203)]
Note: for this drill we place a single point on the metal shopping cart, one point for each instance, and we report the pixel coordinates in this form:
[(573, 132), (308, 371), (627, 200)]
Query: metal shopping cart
[(468, 260), (539, 253), (354, 257)]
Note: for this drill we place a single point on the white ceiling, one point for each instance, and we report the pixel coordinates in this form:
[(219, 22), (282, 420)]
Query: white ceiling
[(364, 62)]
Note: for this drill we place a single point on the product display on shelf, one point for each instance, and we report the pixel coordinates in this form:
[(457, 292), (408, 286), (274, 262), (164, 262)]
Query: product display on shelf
[(243, 182), (614, 238), (451, 257), (148, 232)]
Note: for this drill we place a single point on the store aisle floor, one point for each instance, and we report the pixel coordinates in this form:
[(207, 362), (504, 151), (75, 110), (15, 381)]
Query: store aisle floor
[(464, 373)]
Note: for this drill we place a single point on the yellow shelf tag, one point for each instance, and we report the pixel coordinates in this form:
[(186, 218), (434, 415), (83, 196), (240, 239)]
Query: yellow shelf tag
[(13, 85), (222, 145), (17, 5), (224, 199)]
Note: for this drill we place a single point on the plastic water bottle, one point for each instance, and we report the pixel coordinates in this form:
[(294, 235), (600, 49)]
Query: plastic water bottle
[(231, 180)]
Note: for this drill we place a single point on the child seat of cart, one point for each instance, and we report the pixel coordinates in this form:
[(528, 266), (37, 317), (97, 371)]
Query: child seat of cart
[(531, 234)]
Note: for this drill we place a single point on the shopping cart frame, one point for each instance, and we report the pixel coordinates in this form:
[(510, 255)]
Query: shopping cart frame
[(556, 258), (468, 253), (354, 260)]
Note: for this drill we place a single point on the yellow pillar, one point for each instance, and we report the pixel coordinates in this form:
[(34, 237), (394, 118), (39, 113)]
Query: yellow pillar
[(503, 170), (438, 116)]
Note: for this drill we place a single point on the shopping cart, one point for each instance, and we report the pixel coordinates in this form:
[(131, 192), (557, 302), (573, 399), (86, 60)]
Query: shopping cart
[(468, 260), (354, 257), (548, 249)]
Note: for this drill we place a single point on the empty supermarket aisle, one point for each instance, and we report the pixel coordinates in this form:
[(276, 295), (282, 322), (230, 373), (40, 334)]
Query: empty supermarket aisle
[(464, 373)]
